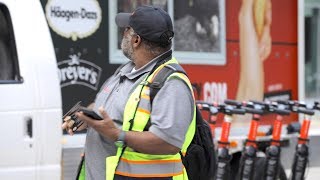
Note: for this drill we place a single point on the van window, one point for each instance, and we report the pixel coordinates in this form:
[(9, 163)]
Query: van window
[(9, 66)]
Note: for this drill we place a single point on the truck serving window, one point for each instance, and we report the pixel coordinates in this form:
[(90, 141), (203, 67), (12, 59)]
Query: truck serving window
[(199, 27), (9, 67)]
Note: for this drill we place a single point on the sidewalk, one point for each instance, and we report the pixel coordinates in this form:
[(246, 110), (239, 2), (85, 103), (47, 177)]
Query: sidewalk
[(311, 173)]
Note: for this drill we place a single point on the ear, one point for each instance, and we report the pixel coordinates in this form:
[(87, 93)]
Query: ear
[(136, 41)]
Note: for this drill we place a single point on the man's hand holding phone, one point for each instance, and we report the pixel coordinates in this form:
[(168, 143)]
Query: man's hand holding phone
[(90, 113), (105, 126), (71, 121), (79, 118)]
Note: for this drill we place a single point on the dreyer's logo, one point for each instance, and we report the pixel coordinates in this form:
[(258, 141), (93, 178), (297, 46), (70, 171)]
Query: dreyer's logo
[(79, 71), (74, 18)]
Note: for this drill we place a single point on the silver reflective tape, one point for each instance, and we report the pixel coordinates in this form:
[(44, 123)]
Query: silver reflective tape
[(145, 104), (165, 169)]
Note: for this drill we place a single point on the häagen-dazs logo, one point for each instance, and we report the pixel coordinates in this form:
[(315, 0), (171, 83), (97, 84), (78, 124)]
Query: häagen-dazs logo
[(73, 18), (78, 71)]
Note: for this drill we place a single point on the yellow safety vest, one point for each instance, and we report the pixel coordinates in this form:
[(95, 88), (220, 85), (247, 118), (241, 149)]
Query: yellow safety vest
[(135, 164)]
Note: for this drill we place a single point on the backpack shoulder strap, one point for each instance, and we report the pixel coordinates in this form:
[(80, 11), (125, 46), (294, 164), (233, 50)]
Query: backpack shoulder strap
[(159, 80), (161, 77)]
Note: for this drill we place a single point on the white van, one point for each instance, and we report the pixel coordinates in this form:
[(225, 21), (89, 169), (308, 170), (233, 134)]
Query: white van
[(30, 96)]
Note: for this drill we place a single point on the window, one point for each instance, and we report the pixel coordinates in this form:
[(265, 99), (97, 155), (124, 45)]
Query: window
[(199, 27), (9, 69), (312, 44)]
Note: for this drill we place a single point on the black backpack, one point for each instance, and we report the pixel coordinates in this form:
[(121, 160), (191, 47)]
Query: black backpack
[(200, 158)]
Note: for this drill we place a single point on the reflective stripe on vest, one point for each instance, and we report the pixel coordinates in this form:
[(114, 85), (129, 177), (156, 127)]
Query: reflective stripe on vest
[(134, 164)]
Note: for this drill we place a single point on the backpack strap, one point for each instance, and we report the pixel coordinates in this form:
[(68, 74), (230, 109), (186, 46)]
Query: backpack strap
[(162, 76), (159, 80)]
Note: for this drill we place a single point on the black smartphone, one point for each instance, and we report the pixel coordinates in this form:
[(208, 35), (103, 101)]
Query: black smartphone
[(90, 113)]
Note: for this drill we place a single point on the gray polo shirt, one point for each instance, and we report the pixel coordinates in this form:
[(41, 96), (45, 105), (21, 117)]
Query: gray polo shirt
[(172, 112)]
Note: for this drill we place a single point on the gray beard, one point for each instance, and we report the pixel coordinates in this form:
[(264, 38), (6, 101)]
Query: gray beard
[(126, 47)]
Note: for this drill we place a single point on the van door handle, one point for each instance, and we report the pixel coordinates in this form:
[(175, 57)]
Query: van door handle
[(29, 127)]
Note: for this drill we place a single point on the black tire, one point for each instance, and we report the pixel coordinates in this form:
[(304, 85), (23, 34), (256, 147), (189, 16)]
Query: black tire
[(282, 173), (234, 165)]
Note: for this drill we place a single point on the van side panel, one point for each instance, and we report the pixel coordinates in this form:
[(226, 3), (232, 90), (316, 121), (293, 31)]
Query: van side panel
[(17, 114), (31, 111)]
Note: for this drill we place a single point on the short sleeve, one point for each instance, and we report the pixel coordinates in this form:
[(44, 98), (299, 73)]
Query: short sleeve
[(172, 112)]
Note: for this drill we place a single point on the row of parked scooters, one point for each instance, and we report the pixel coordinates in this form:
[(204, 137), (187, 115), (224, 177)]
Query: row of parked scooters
[(271, 168)]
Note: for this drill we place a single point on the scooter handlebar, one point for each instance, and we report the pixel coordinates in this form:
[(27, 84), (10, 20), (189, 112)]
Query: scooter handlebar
[(235, 111), (282, 112), (305, 111), (233, 102), (207, 107), (249, 107), (253, 111)]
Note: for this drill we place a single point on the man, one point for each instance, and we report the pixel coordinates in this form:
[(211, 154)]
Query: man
[(124, 103)]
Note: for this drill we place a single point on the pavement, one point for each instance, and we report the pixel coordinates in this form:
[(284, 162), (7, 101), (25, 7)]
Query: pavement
[(312, 173)]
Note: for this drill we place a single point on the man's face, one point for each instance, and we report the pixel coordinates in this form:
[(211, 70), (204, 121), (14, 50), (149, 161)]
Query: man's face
[(126, 45)]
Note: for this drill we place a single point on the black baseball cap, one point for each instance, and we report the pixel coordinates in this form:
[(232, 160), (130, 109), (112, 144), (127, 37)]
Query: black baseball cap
[(149, 22)]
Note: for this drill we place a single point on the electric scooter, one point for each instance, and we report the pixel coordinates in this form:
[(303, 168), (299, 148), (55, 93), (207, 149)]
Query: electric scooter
[(301, 156), (274, 150), (248, 156), (223, 164)]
